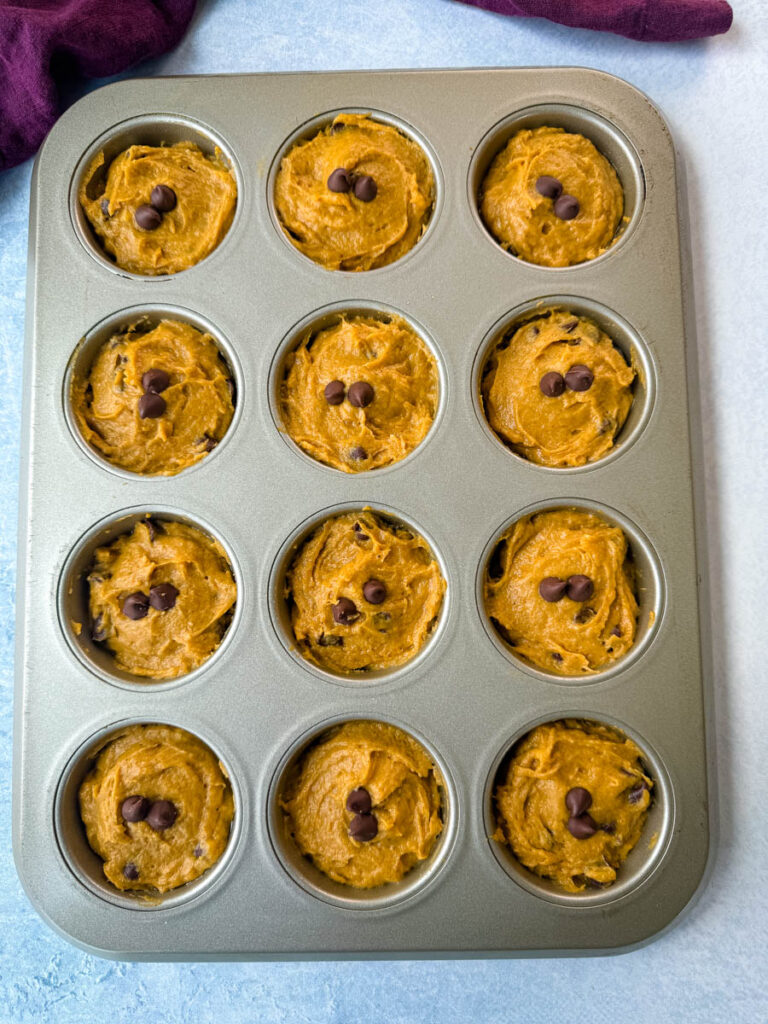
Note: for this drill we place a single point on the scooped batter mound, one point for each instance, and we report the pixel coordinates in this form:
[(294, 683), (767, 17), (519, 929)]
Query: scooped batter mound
[(364, 804), (560, 590), (157, 808), (551, 198), (155, 401), (574, 802), (159, 209), (360, 394), (557, 390), (365, 593), (356, 196), (161, 598)]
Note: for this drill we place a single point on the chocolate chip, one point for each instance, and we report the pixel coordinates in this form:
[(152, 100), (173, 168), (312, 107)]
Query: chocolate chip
[(154, 381), (163, 198), (98, 633), (163, 596), (151, 406), (580, 588), (208, 443), (359, 532), (135, 808), (334, 392), (131, 872), (584, 615), (136, 606), (552, 589), (549, 187), (615, 631), (569, 325), (345, 612), (363, 827), (609, 828), (105, 207), (198, 851), (359, 801), (552, 384), (374, 591), (162, 815), (556, 657), (579, 378), (365, 188), (360, 394), (566, 207), (338, 180), (329, 640), (582, 827), (153, 528), (358, 453), (147, 217), (578, 800), (636, 794)]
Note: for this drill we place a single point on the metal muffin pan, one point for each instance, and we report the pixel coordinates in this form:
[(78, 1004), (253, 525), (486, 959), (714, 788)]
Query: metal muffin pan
[(257, 703)]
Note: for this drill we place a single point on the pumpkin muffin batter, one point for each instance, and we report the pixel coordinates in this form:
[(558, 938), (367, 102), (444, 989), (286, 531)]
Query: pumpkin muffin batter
[(400, 786), (365, 593), (551, 198), (344, 222), (323, 412), (161, 598), (195, 407), (566, 767), (190, 219), (539, 407), (560, 590), (124, 803)]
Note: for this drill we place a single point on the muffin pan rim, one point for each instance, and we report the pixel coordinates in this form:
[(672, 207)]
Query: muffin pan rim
[(623, 887), (624, 438), (83, 548), (88, 347), (636, 538), (84, 755), (392, 895)]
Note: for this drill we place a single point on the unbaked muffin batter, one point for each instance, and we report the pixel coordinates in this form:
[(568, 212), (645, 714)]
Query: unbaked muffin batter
[(337, 229), (525, 221), (319, 399), (204, 195), (365, 593), (158, 765), (536, 404), (569, 766), (403, 789), (588, 617), (195, 404), (161, 598)]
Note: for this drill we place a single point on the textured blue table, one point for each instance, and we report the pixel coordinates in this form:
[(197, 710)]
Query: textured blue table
[(712, 967)]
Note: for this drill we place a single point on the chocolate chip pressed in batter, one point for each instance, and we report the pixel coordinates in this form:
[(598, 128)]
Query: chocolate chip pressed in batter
[(147, 217), (359, 801), (365, 188), (579, 587), (151, 406), (163, 198), (566, 207), (358, 454), (360, 394), (163, 596), (578, 800), (345, 612), (579, 378), (339, 181), (136, 606), (161, 815), (552, 588), (582, 826), (155, 380), (334, 392), (552, 384), (135, 808), (364, 827), (131, 872), (548, 187), (374, 591)]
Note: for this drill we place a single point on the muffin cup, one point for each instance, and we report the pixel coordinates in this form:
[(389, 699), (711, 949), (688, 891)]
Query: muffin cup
[(73, 594), (607, 138), (650, 591), (301, 869), (148, 316), (86, 865), (643, 859), (145, 130)]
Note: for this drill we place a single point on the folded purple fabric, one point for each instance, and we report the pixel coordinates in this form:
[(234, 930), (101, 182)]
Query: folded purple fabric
[(93, 38), (661, 21)]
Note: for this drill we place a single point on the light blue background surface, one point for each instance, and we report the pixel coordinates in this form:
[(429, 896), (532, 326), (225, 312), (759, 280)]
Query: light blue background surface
[(713, 966)]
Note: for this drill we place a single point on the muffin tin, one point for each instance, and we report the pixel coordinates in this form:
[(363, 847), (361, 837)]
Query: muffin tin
[(465, 697)]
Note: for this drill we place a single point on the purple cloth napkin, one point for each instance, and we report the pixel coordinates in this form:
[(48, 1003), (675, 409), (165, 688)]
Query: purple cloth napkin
[(660, 21), (94, 38)]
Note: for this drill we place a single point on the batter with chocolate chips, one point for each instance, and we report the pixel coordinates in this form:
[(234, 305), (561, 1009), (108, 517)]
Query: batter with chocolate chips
[(365, 593), (574, 802), (161, 598), (361, 393), (155, 401), (557, 390), (159, 209), (560, 590), (364, 804), (356, 196), (157, 808), (551, 198)]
